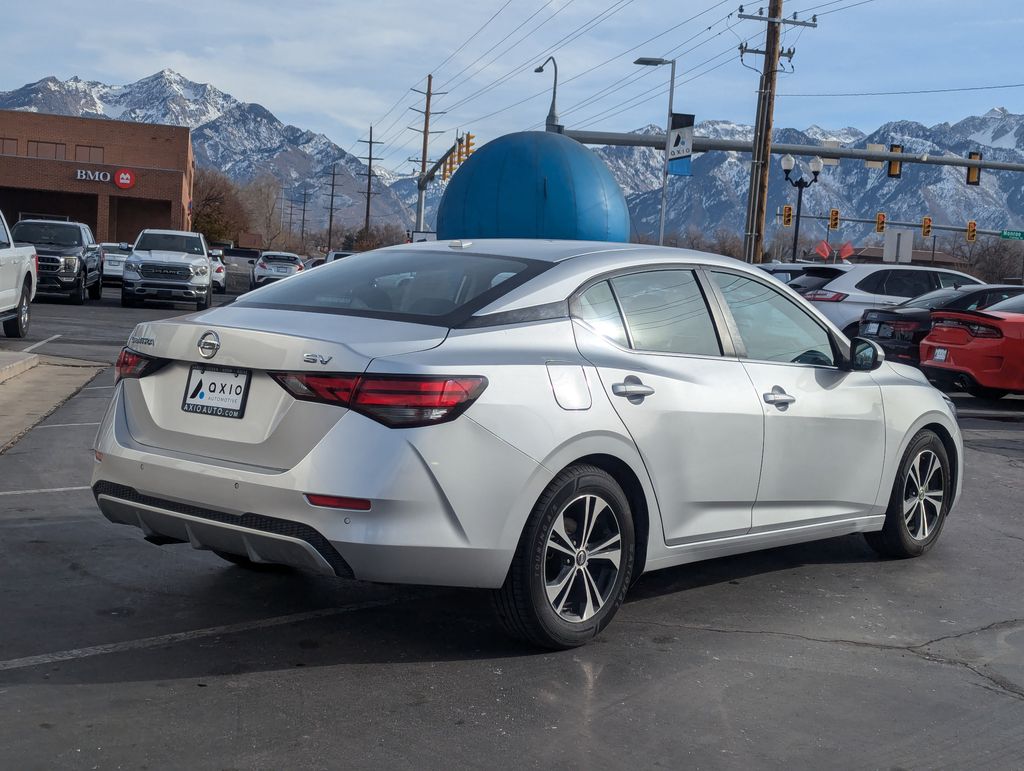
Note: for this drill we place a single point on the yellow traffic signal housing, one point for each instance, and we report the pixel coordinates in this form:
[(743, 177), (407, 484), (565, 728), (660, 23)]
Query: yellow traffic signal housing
[(974, 172), (467, 143), (459, 151), (787, 216), (447, 168), (972, 230), (895, 169), (833, 219), (926, 227), (880, 222)]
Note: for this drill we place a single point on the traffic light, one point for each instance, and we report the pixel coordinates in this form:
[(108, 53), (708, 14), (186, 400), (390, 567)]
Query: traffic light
[(974, 172), (895, 169), (460, 151), (926, 227), (880, 222), (787, 216), (972, 230), (467, 143), (448, 167), (833, 219)]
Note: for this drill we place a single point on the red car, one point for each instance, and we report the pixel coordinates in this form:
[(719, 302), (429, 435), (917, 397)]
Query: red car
[(981, 352)]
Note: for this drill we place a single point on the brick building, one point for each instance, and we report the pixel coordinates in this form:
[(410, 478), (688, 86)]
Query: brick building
[(115, 176)]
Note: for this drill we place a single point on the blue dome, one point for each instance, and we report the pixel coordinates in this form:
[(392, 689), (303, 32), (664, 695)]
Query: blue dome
[(533, 184)]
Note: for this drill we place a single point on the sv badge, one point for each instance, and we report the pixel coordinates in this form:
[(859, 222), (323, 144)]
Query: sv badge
[(316, 358)]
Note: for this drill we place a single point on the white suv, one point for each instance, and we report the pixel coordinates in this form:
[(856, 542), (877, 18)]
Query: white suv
[(844, 292)]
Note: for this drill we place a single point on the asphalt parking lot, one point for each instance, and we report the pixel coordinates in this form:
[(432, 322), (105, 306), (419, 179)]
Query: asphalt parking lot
[(116, 653)]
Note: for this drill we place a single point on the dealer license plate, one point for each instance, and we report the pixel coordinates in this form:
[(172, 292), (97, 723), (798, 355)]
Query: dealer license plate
[(939, 355), (219, 391)]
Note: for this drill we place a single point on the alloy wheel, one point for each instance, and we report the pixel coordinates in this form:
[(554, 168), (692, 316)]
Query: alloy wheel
[(23, 311), (923, 495), (582, 558)]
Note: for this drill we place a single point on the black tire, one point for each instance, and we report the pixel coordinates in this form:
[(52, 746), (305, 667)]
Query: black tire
[(980, 392), (522, 603), (18, 326), (895, 539), (128, 302), (96, 290), (220, 289), (244, 562), (79, 294)]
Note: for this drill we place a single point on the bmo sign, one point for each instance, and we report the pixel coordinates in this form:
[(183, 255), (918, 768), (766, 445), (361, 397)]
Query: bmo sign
[(123, 178)]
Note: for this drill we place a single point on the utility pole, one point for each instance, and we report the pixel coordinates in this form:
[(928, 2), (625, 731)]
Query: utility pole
[(291, 211), (330, 210), (757, 199), (302, 230), (421, 186), (369, 177)]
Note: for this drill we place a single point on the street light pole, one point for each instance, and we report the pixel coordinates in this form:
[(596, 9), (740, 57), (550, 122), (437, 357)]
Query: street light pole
[(552, 124), (650, 62), (801, 184)]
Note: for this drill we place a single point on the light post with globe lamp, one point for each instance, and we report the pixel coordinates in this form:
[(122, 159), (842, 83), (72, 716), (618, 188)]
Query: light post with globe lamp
[(788, 163)]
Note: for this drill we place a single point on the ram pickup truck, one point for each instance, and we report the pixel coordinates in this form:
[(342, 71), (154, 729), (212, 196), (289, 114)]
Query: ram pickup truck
[(17, 282), (167, 265), (69, 259)]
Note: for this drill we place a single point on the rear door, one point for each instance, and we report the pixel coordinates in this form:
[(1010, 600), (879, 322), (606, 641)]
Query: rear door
[(682, 395), (824, 437)]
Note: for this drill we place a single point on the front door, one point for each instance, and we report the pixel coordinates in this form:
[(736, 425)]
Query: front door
[(690, 409), (824, 435)]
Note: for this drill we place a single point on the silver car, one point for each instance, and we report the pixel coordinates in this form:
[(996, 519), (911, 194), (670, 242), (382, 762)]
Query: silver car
[(273, 266), (546, 419)]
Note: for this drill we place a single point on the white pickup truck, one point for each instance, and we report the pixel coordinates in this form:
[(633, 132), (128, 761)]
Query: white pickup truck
[(17, 282)]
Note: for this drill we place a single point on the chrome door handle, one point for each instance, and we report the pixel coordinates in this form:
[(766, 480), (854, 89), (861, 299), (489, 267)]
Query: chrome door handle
[(778, 397), (632, 389)]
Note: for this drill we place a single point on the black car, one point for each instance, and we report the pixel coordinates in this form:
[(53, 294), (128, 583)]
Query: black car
[(900, 329), (70, 260)]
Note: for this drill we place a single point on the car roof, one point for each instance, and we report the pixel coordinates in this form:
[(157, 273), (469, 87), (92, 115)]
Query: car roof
[(49, 222)]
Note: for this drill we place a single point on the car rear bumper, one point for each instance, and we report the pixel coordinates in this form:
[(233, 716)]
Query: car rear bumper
[(429, 523)]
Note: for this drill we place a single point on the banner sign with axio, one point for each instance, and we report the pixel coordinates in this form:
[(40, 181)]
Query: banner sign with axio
[(680, 144)]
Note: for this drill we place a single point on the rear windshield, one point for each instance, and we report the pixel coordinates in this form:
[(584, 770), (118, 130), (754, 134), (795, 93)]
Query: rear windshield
[(442, 288), (1013, 305), (169, 242), (938, 298), (814, 278), (281, 257), (115, 249), (47, 233)]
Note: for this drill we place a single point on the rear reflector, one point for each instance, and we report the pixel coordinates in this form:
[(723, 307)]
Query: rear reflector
[(397, 401), (338, 502)]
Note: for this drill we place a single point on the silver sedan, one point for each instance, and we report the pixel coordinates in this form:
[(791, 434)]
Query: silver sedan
[(546, 419)]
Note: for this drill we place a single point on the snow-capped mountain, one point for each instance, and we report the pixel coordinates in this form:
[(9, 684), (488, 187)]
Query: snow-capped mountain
[(715, 196), (241, 139)]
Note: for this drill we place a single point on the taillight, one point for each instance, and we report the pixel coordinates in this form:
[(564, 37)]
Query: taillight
[(133, 364), (397, 401), (220, 269), (298, 266), (825, 296), (262, 265), (973, 329)]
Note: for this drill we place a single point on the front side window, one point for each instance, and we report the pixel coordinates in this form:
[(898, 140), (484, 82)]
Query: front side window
[(907, 283), (665, 311), (773, 327)]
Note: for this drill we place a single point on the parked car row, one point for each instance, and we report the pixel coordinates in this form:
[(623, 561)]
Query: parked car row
[(963, 334)]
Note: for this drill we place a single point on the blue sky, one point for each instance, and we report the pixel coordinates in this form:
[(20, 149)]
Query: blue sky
[(336, 67)]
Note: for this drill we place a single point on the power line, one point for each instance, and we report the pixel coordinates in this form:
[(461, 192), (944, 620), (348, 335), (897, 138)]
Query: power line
[(845, 7), (914, 91), (470, 38)]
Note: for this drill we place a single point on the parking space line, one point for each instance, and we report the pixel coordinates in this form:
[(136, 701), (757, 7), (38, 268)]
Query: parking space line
[(45, 490), (66, 425), (96, 388), (41, 342), (195, 634)]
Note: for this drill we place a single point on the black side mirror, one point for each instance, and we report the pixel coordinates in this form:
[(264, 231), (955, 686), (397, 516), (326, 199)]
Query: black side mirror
[(865, 355)]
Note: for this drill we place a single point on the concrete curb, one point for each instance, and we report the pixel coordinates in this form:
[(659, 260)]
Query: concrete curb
[(13, 364)]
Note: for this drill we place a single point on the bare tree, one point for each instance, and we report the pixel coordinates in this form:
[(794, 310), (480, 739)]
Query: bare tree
[(262, 200), (217, 210)]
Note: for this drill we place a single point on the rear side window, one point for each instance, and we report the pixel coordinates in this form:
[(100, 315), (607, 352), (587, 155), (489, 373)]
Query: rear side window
[(598, 308), (898, 283), (665, 311), (415, 285), (814, 278)]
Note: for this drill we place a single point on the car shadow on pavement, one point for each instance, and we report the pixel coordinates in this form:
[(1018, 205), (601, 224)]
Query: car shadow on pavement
[(390, 624)]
